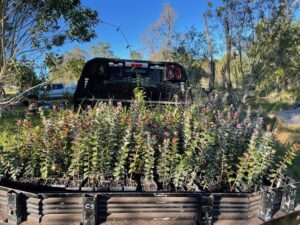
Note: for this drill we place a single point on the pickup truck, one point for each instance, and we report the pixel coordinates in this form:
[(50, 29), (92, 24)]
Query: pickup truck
[(104, 79)]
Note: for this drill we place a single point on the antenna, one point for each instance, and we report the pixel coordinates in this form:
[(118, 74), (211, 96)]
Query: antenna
[(118, 29)]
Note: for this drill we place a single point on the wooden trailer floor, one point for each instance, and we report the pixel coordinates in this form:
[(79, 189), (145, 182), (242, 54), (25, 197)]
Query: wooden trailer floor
[(254, 221)]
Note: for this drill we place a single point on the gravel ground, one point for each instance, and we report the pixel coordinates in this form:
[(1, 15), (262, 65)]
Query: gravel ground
[(290, 117)]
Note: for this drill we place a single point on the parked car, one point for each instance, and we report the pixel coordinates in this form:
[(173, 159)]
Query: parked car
[(52, 91)]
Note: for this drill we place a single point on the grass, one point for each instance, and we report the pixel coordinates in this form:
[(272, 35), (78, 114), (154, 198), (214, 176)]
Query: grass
[(264, 106), (270, 105), (286, 137), (286, 134), (9, 122)]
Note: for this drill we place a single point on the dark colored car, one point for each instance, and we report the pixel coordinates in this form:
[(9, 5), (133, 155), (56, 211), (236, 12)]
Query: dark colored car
[(104, 79)]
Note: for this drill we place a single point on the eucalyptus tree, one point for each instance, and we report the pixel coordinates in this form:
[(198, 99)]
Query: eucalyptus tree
[(101, 50), (29, 28), (261, 40), (136, 55), (66, 68), (159, 35), (275, 49), (189, 49)]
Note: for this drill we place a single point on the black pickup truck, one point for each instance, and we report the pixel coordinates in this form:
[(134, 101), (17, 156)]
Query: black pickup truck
[(104, 79)]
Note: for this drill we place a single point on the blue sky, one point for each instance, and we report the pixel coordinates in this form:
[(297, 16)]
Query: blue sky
[(134, 16)]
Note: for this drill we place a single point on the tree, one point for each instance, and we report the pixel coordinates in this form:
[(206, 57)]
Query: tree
[(25, 76), (259, 37), (228, 51), (225, 15), (158, 38), (101, 50), (276, 47), (136, 55), (30, 27), (66, 68), (189, 50)]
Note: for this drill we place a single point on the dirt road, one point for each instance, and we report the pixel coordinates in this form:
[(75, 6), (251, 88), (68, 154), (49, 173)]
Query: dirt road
[(290, 117)]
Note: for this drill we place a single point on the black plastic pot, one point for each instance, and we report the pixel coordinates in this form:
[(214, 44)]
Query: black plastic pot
[(87, 189), (72, 188), (74, 185), (130, 188), (149, 186), (89, 185), (59, 183), (288, 198), (102, 187), (269, 203), (116, 188)]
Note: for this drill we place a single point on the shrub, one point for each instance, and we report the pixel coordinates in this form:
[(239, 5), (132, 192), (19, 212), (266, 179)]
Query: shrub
[(209, 146)]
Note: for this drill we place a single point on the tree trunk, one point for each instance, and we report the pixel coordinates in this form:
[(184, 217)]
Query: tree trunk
[(228, 50), (213, 75), (235, 71), (223, 73), (242, 68), (241, 61), (211, 60)]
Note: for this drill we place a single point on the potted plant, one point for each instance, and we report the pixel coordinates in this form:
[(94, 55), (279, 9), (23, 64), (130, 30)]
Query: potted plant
[(59, 182), (116, 186), (131, 185), (89, 185), (148, 183), (271, 198), (74, 184), (121, 162), (102, 186)]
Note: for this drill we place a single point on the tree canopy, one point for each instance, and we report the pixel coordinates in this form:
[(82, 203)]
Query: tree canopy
[(246, 45), (101, 50), (30, 28)]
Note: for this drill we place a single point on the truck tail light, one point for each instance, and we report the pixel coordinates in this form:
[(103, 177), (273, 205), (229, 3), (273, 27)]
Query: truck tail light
[(177, 73), (170, 73)]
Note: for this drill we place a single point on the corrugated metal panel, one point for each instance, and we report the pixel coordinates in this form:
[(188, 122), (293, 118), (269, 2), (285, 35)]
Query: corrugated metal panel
[(3, 205), (143, 207), (55, 210), (90, 208), (118, 207), (236, 208)]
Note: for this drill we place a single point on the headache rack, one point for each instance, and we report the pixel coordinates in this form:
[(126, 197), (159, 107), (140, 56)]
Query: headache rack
[(105, 79)]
